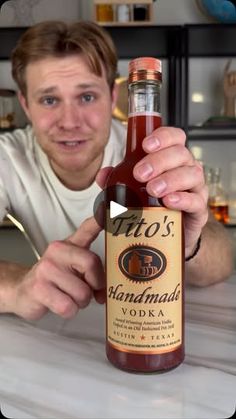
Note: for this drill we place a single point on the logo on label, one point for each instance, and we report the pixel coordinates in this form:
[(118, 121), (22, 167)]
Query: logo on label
[(142, 263)]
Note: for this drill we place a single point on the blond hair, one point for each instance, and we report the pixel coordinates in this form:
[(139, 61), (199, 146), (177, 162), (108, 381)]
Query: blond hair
[(60, 39)]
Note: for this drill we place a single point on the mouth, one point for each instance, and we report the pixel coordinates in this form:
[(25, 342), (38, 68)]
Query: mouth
[(71, 144)]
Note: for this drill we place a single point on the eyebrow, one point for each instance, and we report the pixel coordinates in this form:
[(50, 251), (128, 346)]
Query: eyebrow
[(53, 89)]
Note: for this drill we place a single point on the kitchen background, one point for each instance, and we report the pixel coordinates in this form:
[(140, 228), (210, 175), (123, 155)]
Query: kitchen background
[(205, 98)]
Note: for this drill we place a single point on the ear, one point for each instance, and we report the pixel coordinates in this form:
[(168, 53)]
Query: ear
[(114, 95), (23, 102)]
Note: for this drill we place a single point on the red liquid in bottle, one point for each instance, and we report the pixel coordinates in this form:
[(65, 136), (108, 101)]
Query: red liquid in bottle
[(133, 274)]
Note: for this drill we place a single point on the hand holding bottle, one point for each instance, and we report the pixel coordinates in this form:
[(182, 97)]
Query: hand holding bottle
[(172, 173)]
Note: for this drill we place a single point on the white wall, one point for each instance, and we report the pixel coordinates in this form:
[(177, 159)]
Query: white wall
[(165, 11), (171, 12), (25, 12)]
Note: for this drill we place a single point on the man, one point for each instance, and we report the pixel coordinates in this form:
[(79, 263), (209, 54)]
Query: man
[(66, 79)]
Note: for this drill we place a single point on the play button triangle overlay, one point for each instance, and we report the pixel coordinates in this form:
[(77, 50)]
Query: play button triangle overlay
[(116, 209)]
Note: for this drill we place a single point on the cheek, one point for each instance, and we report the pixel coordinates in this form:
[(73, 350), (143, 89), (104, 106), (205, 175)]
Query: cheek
[(100, 116), (43, 120)]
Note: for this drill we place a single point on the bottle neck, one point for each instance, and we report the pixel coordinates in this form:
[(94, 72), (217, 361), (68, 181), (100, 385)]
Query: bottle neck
[(144, 115)]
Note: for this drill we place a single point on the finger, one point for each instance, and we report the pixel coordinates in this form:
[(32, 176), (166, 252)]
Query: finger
[(100, 296), (70, 283), (86, 233), (154, 164), (163, 137), (90, 267), (56, 301), (188, 202), (102, 176), (183, 178), (73, 259)]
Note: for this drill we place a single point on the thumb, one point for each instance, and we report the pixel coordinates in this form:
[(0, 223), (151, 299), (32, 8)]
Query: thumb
[(103, 175), (86, 233)]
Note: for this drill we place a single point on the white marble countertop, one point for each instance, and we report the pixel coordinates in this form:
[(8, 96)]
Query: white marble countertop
[(58, 369)]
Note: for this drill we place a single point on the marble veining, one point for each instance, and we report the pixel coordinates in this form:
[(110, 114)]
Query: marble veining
[(58, 369)]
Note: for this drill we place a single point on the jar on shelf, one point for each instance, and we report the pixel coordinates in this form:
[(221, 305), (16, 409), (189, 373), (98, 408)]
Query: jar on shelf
[(123, 13), (140, 12), (218, 198), (104, 13), (232, 191)]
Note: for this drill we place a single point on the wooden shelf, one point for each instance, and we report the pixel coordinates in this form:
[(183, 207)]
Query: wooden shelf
[(128, 12), (123, 24)]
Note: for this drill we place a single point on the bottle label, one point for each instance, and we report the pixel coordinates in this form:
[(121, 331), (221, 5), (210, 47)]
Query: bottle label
[(144, 283)]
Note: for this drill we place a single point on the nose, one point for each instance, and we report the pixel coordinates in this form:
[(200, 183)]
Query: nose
[(69, 117)]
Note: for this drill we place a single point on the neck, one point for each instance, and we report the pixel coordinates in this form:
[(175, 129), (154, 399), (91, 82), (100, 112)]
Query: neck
[(78, 180)]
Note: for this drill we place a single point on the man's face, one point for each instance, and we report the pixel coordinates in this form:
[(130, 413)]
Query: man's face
[(70, 110)]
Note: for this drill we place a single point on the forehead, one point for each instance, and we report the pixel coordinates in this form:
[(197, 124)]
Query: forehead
[(55, 69)]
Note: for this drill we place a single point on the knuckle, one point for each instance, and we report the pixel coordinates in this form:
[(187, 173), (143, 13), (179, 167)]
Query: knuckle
[(199, 172), (54, 247), (93, 261), (170, 133), (38, 286), (66, 308), (84, 296), (44, 267), (185, 153)]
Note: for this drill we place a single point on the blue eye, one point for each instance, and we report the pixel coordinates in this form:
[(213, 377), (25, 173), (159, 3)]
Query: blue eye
[(87, 97), (49, 100)]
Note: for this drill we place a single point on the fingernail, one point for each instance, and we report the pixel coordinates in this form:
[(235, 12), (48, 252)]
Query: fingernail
[(144, 171), (152, 143), (158, 186), (173, 198)]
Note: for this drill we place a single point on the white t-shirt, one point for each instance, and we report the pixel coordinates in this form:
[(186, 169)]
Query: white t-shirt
[(32, 193)]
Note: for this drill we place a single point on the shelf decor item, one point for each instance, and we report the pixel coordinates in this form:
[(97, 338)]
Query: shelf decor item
[(219, 10), (123, 12), (104, 13), (229, 88)]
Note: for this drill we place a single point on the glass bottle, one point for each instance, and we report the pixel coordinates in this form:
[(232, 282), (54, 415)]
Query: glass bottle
[(218, 200), (123, 13), (232, 192), (140, 12), (104, 13), (144, 267)]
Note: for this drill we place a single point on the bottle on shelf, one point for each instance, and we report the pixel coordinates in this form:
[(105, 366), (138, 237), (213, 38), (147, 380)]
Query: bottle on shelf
[(232, 192), (140, 12), (104, 13), (123, 13), (218, 199), (144, 260)]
